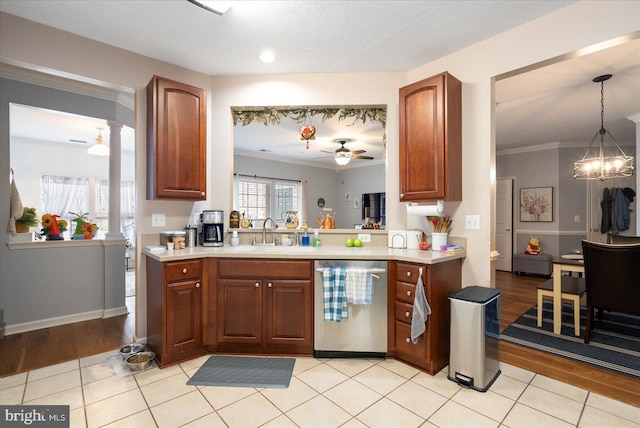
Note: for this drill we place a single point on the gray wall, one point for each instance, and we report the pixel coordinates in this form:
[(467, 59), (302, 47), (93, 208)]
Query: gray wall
[(551, 167), (356, 181), (321, 183), (46, 283)]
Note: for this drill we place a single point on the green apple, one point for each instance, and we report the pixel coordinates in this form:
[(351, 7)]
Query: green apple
[(357, 243), (349, 242)]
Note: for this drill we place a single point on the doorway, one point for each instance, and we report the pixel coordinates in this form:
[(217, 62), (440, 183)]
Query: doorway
[(504, 224)]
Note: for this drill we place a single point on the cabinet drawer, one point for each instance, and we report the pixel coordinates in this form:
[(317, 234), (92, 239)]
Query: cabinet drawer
[(405, 292), (404, 312), (409, 272), (265, 269), (177, 271), (404, 343)]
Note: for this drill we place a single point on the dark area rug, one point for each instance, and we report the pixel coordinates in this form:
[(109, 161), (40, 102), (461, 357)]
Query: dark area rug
[(614, 345), (256, 372)]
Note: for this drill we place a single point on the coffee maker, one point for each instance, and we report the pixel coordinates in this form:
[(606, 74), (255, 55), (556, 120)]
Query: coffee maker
[(212, 228)]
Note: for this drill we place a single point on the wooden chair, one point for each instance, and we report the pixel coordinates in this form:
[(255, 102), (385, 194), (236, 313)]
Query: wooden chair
[(623, 239), (612, 274), (572, 289)]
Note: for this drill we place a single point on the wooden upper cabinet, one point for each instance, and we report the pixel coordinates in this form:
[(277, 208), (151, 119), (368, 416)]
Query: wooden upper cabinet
[(431, 140), (176, 140)]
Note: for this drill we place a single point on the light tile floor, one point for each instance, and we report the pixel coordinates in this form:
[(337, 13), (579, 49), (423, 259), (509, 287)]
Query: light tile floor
[(323, 393)]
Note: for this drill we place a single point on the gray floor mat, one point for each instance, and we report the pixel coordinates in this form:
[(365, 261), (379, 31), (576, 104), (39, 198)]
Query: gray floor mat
[(257, 372)]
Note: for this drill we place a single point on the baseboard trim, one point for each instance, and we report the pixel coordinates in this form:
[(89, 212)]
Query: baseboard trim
[(114, 312), (66, 319), (53, 322)]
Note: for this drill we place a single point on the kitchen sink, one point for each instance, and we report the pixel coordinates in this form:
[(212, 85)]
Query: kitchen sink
[(287, 249)]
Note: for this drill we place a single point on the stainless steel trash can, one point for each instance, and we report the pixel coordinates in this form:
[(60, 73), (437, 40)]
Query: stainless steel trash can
[(475, 335)]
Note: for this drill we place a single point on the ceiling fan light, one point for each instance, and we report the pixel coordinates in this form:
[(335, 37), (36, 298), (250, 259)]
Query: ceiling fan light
[(342, 160)]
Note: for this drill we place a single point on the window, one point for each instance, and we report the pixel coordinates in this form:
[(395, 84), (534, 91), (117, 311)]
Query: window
[(63, 195), (259, 198)]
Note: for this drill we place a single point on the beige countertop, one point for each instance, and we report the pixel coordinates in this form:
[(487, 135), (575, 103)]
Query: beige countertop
[(319, 253)]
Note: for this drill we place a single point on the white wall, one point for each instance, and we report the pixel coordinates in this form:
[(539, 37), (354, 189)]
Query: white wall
[(575, 27)]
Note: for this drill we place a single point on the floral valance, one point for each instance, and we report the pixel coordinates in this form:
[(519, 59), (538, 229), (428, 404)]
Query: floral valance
[(272, 115)]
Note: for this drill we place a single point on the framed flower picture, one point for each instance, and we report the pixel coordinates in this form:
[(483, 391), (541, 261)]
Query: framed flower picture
[(536, 204)]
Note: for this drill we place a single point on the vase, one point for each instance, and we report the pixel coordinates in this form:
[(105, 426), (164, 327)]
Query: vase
[(21, 228)]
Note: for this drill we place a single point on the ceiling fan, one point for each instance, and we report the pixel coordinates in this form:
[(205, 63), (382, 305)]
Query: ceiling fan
[(344, 155)]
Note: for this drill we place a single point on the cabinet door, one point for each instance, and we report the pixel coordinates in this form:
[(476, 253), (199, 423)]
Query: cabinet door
[(239, 311), (176, 118), (431, 140), (184, 316), (289, 312)]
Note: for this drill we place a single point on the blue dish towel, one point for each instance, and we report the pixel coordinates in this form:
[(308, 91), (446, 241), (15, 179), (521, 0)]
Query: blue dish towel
[(334, 294), (421, 310)]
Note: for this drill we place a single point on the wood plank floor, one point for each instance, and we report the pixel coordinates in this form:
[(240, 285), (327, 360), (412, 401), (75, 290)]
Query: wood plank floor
[(41, 348), (517, 295)]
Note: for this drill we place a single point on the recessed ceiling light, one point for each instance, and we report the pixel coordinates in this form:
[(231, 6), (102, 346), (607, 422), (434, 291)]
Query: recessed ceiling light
[(219, 7), (267, 56)]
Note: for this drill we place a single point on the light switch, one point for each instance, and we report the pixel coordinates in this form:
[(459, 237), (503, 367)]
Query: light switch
[(472, 222), (576, 219), (158, 220)]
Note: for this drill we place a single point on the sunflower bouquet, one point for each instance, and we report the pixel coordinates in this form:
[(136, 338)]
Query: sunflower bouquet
[(53, 226)]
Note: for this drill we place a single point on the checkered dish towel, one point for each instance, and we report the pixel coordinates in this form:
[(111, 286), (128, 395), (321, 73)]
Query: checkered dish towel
[(334, 294), (359, 286)]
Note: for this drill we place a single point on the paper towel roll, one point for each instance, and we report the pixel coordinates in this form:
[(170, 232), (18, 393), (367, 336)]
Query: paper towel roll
[(424, 210)]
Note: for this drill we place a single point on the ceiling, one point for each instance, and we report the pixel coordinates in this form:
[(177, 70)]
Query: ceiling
[(556, 103)]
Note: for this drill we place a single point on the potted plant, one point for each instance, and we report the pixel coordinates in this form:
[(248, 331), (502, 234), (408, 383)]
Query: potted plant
[(29, 219)]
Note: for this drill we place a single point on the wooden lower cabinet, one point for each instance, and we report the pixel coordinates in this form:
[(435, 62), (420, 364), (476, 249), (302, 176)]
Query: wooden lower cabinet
[(431, 352), (175, 303), (263, 306)]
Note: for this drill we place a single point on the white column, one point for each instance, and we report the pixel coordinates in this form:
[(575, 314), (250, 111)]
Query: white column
[(115, 171)]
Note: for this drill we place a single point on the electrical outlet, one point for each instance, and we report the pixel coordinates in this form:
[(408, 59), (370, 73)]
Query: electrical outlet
[(472, 222), (158, 220), (364, 237)]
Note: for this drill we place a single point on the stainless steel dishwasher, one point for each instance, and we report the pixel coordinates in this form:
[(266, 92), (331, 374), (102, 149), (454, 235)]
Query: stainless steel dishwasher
[(364, 332)]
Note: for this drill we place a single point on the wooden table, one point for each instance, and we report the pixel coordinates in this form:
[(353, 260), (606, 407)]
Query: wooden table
[(559, 266)]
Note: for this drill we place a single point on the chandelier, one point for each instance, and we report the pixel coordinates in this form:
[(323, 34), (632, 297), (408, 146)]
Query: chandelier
[(99, 149), (597, 166)]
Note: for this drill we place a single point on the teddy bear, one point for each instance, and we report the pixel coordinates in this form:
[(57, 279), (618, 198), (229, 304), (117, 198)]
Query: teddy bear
[(533, 247)]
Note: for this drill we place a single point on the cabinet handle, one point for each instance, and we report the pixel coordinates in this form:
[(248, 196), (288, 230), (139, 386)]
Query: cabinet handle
[(197, 285), (201, 193), (408, 339), (408, 273), (257, 284), (269, 285), (184, 270), (409, 293), (407, 314)]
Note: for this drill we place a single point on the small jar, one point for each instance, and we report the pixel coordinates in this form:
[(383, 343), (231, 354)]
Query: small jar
[(235, 240)]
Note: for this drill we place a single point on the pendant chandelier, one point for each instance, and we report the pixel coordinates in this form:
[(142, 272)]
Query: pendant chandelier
[(99, 149), (596, 165)]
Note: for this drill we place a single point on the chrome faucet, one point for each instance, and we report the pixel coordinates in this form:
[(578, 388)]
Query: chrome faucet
[(264, 230)]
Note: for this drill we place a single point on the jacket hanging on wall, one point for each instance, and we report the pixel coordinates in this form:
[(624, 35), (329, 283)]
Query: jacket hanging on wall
[(621, 210)]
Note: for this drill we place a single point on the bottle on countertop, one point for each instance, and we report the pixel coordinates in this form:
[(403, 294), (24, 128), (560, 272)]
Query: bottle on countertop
[(235, 240), (305, 239), (316, 239)]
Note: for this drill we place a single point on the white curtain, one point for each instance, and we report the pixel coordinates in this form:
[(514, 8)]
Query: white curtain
[(303, 202), (60, 195), (128, 211)]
